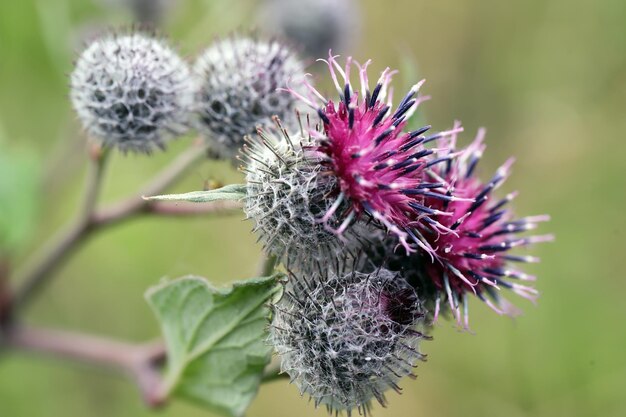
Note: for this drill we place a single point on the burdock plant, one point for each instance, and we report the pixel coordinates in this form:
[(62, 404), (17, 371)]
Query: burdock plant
[(370, 228)]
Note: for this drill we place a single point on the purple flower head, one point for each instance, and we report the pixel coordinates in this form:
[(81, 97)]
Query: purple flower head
[(473, 256), (379, 167)]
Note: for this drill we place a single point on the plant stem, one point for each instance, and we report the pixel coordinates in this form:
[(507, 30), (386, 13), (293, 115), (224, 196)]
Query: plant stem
[(98, 158), (54, 254), (139, 361)]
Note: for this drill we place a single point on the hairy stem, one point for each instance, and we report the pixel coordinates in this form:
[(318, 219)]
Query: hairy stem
[(140, 361), (54, 254)]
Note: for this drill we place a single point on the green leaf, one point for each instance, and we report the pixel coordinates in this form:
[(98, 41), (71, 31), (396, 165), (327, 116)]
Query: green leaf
[(228, 192), (216, 339)]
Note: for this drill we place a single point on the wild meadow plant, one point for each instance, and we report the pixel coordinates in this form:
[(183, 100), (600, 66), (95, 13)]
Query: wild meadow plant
[(372, 230)]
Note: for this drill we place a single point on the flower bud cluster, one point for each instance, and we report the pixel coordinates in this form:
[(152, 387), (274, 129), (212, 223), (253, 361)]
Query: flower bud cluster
[(133, 92), (356, 190), (438, 216)]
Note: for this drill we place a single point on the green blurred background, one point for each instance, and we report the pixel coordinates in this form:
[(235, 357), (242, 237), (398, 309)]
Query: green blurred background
[(548, 80)]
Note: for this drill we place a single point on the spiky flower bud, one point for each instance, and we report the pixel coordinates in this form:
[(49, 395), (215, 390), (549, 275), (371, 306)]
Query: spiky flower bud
[(316, 25), (346, 339), (286, 197), (131, 92), (473, 256), (238, 86), (380, 169)]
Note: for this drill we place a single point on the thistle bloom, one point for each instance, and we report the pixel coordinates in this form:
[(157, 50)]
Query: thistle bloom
[(236, 89), (472, 256), (379, 168), (346, 338), (131, 92)]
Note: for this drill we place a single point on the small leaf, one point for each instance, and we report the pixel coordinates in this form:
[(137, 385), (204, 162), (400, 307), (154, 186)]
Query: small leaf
[(216, 339), (228, 192)]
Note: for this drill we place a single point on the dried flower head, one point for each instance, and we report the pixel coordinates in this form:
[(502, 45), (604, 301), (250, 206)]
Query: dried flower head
[(286, 196), (131, 92), (473, 256), (237, 82), (379, 168), (316, 25), (346, 338)]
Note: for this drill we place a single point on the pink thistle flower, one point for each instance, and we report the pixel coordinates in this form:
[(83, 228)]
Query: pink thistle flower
[(473, 256), (379, 167)]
